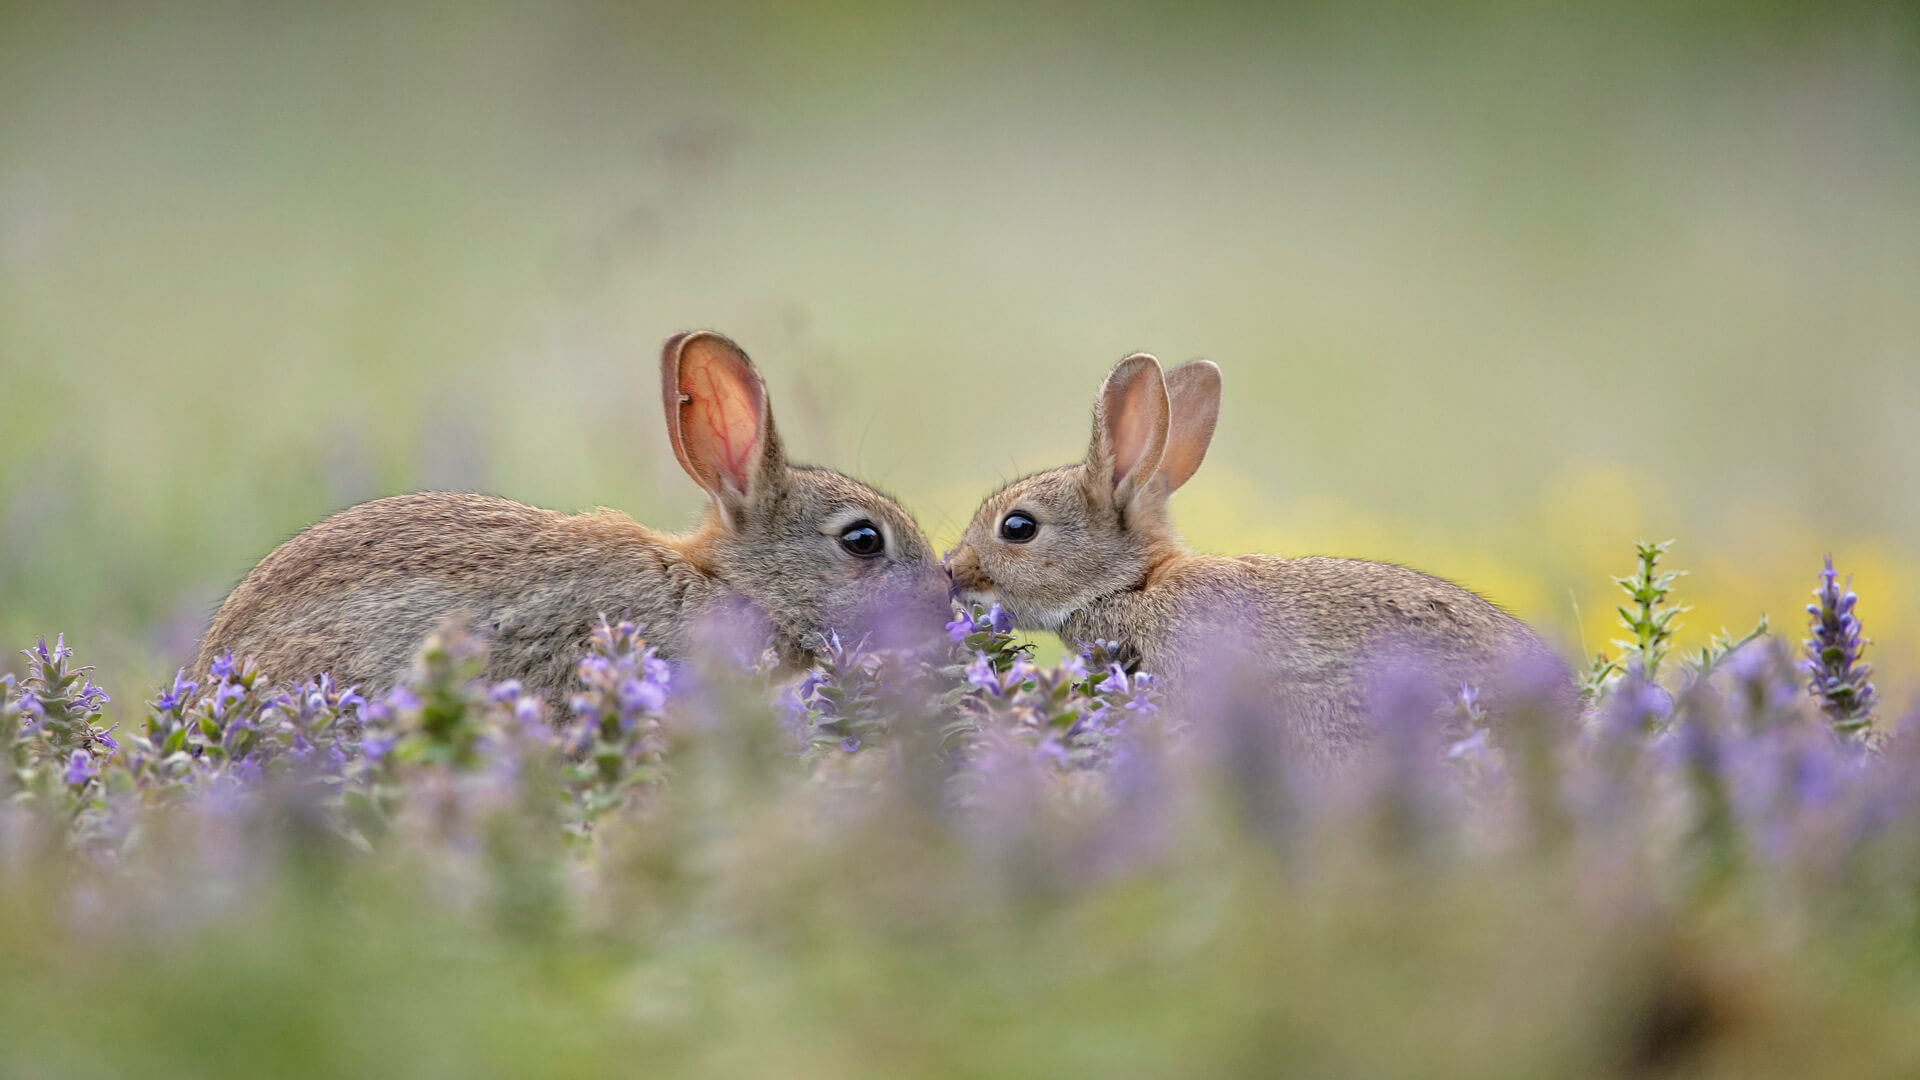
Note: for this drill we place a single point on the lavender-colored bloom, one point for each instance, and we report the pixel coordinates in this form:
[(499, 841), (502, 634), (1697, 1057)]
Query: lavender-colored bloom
[(999, 620), (981, 676), (80, 767), (641, 695), (1634, 707), (181, 693), (401, 699), (223, 696), (90, 697), (50, 658), (1835, 673), (223, 666), (1077, 666)]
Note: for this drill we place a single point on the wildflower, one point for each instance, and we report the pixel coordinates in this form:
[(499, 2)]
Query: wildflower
[(1835, 673), (1634, 707), (60, 701), (80, 767), (178, 696), (999, 620), (982, 676)]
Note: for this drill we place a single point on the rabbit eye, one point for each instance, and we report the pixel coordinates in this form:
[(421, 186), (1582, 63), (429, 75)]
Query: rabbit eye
[(1018, 528), (863, 540)]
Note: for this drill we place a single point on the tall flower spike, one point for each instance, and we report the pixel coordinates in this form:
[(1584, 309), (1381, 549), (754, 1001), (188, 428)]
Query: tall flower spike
[(1835, 673)]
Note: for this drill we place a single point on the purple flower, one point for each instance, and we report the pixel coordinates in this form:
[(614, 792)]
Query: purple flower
[(958, 629), (90, 697), (223, 695), (1634, 706), (641, 695), (80, 768), (401, 699), (1077, 666), (182, 691), (56, 656), (1835, 673), (999, 620), (981, 676), (223, 667)]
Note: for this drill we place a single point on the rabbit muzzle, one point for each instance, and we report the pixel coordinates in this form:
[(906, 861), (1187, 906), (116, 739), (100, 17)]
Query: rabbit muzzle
[(963, 570)]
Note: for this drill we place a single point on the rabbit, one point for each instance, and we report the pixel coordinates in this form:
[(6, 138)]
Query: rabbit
[(1086, 551), (804, 551)]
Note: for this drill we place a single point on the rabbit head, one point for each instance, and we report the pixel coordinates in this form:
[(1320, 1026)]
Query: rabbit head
[(1047, 545), (814, 551)]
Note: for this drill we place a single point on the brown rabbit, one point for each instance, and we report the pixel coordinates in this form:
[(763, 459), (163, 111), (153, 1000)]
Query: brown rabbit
[(806, 551), (1086, 551)]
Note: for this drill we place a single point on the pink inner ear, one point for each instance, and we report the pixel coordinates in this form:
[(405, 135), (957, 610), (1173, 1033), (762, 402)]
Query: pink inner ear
[(1134, 414), (720, 423), (1130, 430)]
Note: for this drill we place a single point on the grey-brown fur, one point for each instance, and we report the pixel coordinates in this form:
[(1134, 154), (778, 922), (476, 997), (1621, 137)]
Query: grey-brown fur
[(356, 594), (1314, 634)]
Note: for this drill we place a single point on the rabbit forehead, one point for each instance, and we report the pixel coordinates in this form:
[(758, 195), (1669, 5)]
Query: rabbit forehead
[(1049, 493), (824, 497)]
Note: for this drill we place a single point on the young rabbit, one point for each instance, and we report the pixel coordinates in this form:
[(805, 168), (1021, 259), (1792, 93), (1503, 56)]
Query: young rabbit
[(802, 550), (1086, 551)]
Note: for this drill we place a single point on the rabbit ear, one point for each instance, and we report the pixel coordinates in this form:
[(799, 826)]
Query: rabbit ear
[(1130, 422), (1193, 394), (718, 420)]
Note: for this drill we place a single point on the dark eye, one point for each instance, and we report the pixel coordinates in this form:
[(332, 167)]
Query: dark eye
[(1018, 528), (863, 540)]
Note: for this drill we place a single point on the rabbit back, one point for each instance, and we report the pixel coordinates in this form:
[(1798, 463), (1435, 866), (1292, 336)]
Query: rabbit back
[(1317, 636), (357, 593)]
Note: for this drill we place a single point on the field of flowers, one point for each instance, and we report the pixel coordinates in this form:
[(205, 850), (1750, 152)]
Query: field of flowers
[(963, 864)]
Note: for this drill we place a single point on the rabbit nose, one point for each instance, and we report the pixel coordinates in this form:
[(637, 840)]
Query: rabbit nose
[(964, 570)]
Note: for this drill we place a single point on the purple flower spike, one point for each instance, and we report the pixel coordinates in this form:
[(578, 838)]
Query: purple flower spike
[(1835, 673)]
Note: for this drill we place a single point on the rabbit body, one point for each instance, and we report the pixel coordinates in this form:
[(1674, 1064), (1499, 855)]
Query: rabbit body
[(1319, 633), (1087, 551), (357, 593), (797, 552)]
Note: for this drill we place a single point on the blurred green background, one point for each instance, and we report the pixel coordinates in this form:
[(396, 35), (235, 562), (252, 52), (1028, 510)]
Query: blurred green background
[(1497, 289)]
